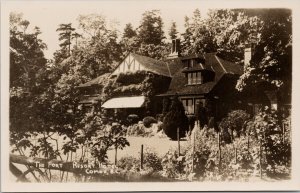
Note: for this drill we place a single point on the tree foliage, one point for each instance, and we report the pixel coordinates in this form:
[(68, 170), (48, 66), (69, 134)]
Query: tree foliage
[(150, 30), (272, 58), (173, 31), (65, 36), (175, 119)]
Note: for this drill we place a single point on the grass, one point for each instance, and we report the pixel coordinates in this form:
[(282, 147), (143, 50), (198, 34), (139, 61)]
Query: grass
[(160, 145)]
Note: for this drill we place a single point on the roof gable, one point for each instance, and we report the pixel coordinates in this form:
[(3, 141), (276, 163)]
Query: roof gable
[(135, 62)]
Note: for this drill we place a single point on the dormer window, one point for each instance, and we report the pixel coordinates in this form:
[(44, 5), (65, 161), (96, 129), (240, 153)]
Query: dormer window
[(194, 78)]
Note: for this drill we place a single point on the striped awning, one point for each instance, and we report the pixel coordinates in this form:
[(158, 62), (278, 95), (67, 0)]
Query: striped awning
[(124, 102)]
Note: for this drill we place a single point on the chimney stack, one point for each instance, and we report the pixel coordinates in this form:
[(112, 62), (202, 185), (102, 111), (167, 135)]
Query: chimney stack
[(175, 50), (248, 52)]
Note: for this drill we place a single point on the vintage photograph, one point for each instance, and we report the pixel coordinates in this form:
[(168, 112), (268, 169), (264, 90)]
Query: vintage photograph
[(149, 91)]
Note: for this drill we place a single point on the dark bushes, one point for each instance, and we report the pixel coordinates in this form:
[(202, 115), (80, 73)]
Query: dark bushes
[(234, 124), (174, 119), (132, 118), (147, 121)]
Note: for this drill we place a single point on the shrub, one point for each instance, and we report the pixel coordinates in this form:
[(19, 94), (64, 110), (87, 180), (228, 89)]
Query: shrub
[(132, 118), (233, 125), (152, 161), (140, 130), (267, 129), (137, 129), (174, 119), (172, 164), (147, 121), (129, 163)]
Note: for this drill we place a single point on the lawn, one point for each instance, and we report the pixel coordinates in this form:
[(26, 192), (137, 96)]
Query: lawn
[(159, 145)]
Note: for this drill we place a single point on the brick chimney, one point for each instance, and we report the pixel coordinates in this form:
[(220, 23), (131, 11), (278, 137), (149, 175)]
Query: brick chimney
[(175, 50)]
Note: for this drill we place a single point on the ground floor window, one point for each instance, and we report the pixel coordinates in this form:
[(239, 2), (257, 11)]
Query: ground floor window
[(190, 104)]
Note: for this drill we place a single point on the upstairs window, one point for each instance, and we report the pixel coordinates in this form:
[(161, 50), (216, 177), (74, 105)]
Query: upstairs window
[(194, 78)]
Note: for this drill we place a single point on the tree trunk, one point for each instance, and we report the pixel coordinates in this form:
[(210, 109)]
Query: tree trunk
[(178, 139)]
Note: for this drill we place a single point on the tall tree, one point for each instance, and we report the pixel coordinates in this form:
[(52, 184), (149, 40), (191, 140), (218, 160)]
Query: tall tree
[(129, 39), (151, 35), (173, 31), (129, 32), (151, 28), (187, 37), (26, 53), (27, 81), (65, 36), (100, 50)]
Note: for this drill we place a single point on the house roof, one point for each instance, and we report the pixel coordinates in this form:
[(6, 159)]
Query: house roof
[(95, 81), (179, 82), (155, 66)]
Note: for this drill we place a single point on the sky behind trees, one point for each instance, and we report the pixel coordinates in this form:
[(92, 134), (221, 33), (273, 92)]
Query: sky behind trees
[(48, 16)]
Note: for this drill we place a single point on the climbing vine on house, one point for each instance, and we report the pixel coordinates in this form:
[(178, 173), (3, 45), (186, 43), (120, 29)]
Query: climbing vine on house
[(135, 84)]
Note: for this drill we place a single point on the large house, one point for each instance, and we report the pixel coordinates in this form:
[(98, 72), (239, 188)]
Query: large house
[(205, 78)]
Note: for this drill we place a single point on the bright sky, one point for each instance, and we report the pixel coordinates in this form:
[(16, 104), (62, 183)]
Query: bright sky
[(48, 15)]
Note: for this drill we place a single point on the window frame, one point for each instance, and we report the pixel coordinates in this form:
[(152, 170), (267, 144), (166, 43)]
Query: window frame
[(194, 78)]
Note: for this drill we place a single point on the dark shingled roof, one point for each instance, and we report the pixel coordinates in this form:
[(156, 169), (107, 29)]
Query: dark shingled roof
[(155, 66), (213, 63), (95, 81)]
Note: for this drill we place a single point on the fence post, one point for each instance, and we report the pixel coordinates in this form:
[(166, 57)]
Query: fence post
[(116, 154), (260, 158), (235, 154), (193, 154), (178, 141), (248, 142), (142, 156), (283, 131), (219, 147)]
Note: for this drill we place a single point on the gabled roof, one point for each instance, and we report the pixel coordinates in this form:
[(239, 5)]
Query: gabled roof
[(219, 66), (95, 81), (155, 66)]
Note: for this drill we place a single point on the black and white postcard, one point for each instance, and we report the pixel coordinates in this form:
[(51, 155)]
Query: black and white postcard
[(150, 95)]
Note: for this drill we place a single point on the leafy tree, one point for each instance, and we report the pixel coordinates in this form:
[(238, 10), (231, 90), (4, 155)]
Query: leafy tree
[(174, 119), (100, 50), (26, 54), (197, 37), (271, 63), (29, 107)]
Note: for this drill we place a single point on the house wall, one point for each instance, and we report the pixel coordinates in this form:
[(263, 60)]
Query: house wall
[(129, 65)]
